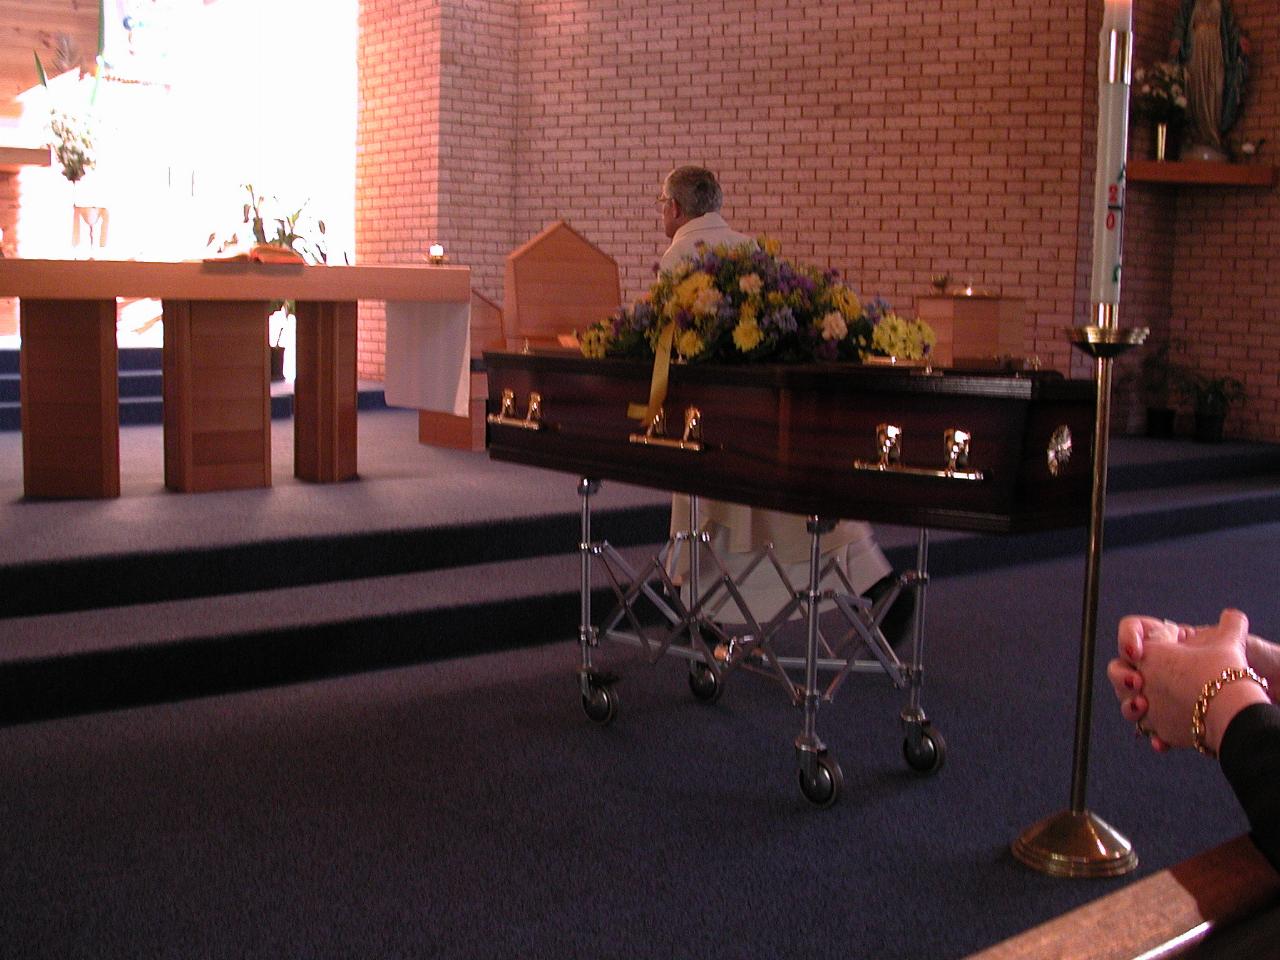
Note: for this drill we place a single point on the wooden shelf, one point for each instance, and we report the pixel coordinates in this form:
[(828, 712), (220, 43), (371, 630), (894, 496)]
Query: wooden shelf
[(13, 158), (1202, 172)]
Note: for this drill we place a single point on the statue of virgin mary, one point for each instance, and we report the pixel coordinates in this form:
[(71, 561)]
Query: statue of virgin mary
[(1213, 55)]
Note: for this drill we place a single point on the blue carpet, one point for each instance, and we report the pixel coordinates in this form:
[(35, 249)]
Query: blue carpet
[(466, 808)]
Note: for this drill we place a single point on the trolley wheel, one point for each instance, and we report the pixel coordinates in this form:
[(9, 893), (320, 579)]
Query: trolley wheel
[(823, 788), (601, 704), (704, 683), (926, 755)]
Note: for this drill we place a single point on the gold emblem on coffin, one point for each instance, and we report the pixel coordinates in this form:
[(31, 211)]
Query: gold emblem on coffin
[(1058, 453)]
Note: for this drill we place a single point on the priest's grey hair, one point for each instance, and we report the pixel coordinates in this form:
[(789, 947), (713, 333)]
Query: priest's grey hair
[(695, 189)]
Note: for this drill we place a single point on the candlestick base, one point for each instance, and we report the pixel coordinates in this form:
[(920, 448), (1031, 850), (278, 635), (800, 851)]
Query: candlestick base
[(1106, 341), (1070, 844)]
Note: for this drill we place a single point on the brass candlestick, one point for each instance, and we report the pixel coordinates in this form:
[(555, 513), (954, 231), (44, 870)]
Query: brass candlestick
[(1076, 842)]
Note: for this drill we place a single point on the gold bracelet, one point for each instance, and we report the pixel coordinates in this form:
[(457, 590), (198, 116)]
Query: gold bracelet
[(1208, 693)]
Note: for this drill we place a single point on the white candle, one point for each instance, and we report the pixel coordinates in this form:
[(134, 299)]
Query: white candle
[(436, 251), (1118, 15), (1113, 129)]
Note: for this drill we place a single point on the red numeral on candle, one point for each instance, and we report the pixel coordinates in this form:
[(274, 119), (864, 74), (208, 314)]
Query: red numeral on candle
[(1111, 220), (1113, 194)]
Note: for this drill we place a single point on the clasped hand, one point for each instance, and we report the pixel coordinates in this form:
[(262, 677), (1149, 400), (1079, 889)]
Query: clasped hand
[(1163, 667)]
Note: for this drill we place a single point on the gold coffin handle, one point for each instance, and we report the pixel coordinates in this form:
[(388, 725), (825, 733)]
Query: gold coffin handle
[(655, 435), (507, 416), (889, 446)]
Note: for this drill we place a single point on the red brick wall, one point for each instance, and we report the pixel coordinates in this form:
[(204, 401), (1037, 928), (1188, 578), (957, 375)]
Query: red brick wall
[(892, 141), (1225, 300), (436, 133), (397, 153)]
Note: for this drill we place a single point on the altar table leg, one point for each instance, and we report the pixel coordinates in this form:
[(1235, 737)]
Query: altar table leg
[(325, 393), (217, 395), (70, 398)]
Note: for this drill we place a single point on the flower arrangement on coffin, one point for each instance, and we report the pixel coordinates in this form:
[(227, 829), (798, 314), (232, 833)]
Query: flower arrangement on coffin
[(745, 304), (1160, 92)]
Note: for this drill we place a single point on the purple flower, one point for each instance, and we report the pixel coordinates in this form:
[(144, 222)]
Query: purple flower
[(781, 320)]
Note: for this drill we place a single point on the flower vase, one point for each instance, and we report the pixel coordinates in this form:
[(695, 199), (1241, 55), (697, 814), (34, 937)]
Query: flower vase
[(1166, 139)]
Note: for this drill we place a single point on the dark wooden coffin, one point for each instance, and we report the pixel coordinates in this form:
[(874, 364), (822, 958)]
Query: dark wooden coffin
[(806, 439)]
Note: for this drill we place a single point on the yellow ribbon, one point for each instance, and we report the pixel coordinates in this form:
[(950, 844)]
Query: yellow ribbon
[(658, 384)]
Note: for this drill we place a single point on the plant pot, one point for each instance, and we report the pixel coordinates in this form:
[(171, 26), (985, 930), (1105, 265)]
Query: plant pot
[(1160, 422), (277, 364), (1208, 427)]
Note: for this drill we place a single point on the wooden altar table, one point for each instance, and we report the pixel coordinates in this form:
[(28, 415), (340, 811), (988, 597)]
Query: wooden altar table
[(217, 397)]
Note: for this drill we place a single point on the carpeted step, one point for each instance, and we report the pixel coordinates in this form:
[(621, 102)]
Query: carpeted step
[(63, 664), (87, 583), (141, 652)]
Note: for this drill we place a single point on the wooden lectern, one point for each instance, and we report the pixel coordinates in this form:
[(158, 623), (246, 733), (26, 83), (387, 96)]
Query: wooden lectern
[(556, 283)]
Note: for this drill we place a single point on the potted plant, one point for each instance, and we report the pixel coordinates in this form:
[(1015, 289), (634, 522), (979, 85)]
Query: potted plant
[(303, 239), (1211, 398), (1157, 377)]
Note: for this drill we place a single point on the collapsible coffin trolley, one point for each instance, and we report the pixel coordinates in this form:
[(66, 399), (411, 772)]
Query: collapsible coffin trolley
[(994, 452)]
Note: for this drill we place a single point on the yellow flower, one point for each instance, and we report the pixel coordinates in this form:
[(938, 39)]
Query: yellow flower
[(846, 300), (905, 339), (695, 291), (688, 289), (747, 335), (593, 342), (689, 343), (750, 284), (748, 312), (770, 246)]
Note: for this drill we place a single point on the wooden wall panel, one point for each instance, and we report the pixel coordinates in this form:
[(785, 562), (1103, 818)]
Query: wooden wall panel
[(37, 25)]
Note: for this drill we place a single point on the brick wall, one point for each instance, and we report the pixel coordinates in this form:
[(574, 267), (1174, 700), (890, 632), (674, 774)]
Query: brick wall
[(436, 142), (891, 141), (397, 152), (1225, 301)]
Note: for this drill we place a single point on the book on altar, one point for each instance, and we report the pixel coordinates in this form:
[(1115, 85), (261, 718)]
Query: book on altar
[(258, 253)]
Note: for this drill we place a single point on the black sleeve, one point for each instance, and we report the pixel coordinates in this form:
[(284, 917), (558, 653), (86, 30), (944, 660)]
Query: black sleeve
[(1250, 757)]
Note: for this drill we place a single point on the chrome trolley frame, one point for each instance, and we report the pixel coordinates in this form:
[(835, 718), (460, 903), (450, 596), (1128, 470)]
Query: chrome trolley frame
[(688, 630)]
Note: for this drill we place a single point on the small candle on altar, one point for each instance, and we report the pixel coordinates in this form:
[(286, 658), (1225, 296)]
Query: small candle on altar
[(1114, 49), (435, 253)]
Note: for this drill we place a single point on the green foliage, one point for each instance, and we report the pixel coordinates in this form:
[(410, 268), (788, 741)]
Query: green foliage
[(1213, 395), (72, 136), (1159, 375), (291, 231), (72, 144)]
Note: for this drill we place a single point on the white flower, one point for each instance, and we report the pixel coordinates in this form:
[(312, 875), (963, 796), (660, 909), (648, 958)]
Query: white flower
[(834, 326)]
